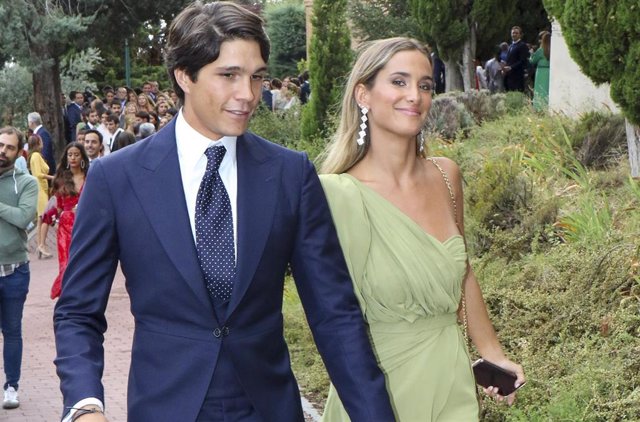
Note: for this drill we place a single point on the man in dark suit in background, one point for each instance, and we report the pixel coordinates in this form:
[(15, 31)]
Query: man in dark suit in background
[(34, 121), (73, 115), (204, 219), (517, 62)]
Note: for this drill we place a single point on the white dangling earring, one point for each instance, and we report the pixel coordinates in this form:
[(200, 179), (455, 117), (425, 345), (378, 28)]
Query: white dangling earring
[(421, 141), (363, 125)]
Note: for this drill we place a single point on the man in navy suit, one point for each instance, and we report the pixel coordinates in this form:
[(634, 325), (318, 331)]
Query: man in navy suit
[(73, 115), (34, 120), (196, 357), (517, 61)]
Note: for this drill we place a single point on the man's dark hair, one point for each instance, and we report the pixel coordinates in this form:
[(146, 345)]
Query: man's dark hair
[(196, 34), (72, 95), (10, 130), (113, 118), (88, 131), (143, 115)]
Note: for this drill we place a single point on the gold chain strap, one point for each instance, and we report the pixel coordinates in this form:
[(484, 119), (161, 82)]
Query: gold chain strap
[(463, 302)]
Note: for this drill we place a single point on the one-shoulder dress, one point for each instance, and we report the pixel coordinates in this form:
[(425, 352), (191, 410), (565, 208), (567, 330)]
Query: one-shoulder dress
[(408, 284)]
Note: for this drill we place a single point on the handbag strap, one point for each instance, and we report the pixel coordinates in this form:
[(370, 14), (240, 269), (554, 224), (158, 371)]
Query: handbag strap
[(463, 302)]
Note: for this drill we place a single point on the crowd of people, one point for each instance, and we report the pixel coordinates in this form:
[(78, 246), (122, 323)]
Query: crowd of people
[(518, 66), (209, 218)]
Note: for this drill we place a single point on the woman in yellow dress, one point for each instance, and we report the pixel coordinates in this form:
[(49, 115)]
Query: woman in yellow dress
[(40, 170), (400, 224)]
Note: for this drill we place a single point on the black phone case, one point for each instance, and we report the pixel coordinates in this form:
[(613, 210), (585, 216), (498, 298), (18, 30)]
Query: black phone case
[(488, 374)]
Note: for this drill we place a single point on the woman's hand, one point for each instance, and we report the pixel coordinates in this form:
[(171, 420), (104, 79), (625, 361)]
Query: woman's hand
[(513, 368)]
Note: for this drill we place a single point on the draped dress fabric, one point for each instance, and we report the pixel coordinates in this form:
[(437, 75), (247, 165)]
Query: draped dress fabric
[(39, 170), (541, 84), (408, 284), (65, 212)]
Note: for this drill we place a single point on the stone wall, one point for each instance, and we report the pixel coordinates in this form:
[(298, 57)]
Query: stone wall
[(570, 91)]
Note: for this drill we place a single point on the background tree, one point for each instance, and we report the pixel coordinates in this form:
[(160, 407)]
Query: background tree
[(377, 19), (462, 30), (16, 95), (286, 27), (329, 60), (604, 39), (36, 33)]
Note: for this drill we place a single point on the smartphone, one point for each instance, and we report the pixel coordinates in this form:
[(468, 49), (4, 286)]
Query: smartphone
[(491, 375)]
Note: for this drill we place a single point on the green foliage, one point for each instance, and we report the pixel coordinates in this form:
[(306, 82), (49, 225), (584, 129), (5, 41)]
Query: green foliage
[(286, 29), (305, 360), (454, 113), (16, 95), (284, 129), (329, 59), (448, 117), (600, 138), (76, 68), (603, 38), (378, 19), (443, 22)]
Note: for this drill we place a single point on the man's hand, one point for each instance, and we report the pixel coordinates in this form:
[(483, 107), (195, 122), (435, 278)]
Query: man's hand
[(81, 416)]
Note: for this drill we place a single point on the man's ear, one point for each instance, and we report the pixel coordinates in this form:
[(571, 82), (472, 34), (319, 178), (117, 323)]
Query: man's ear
[(361, 94), (184, 81)]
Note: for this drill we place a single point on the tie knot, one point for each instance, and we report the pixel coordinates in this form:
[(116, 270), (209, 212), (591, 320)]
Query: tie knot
[(214, 157)]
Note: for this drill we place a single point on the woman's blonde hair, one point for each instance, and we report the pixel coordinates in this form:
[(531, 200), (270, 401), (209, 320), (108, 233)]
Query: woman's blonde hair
[(342, 153)]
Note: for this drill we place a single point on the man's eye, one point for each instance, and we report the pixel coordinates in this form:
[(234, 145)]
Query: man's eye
[(257, 77), (227, 75)]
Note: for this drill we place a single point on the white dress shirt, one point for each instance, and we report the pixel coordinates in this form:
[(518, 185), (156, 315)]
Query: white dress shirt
[(193, 164)]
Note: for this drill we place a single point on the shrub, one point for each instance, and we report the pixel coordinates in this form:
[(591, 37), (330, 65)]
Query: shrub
[(448, 117), (601, 139)]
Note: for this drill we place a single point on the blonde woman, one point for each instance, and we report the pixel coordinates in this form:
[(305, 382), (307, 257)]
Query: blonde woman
[(40, 170), (145, 103), (400, 224)]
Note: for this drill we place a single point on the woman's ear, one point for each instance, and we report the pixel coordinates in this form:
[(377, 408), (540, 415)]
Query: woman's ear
[(361, 94)]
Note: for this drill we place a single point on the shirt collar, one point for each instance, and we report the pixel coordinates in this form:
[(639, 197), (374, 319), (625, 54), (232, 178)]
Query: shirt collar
[(192, 145), (37, 129)]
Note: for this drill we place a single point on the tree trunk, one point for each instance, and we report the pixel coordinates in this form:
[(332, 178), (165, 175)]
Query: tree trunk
[(47, 96), (468, 68), (453, 76), (633, 140)]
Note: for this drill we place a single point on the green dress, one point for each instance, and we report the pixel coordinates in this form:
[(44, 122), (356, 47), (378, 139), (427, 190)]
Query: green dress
[(541, 85), (408, 284)]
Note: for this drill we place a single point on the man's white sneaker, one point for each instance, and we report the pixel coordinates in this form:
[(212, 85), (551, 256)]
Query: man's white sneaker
[(10, 398)]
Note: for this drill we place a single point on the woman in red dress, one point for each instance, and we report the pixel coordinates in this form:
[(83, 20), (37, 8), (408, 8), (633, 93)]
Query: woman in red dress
[(67, 186)]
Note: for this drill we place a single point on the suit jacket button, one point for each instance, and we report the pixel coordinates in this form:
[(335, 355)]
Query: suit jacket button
[(225, 331), (217, 333)]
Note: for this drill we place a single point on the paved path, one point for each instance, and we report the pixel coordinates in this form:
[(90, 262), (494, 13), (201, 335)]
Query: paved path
[(40, 397)]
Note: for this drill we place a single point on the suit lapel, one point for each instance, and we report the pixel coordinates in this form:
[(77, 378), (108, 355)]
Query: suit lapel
[(258, 175), (158, 185)]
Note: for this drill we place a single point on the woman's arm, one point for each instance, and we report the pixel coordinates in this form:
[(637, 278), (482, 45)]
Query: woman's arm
[(479, 326)]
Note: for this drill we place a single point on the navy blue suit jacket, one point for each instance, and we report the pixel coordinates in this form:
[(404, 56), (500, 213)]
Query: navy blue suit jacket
[(47, 149), (74, 116), (133, 210)]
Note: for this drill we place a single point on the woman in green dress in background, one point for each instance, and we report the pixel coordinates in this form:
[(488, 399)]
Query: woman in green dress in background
[(541, 61), (399, 220)]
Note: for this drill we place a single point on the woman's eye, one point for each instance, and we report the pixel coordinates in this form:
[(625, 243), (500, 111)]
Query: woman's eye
[(426, 87), (399, 82)]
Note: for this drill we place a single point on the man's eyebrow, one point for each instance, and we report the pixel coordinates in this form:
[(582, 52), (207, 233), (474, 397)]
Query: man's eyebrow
[(240, 69)]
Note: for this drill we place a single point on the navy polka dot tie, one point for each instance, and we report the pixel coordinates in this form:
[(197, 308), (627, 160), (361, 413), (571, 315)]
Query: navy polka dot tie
[(214, 229)]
